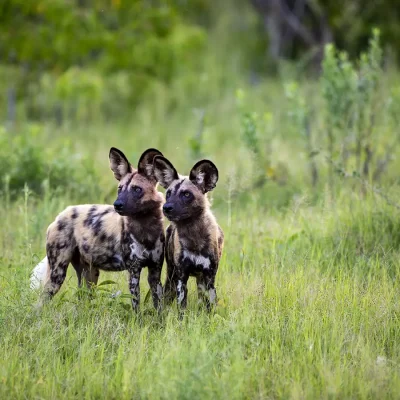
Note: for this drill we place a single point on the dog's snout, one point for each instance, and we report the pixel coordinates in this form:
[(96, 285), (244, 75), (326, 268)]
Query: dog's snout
[(167, 208), (118, 205)]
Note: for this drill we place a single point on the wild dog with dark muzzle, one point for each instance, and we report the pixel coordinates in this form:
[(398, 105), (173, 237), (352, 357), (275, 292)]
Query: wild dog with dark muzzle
[(126, 236), (194, 241)]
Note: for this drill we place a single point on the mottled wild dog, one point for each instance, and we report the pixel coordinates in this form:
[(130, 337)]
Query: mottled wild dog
[(126, 236), (194, 241)]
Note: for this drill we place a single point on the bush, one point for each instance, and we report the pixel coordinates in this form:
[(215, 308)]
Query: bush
[(26, 161), (92, 43)]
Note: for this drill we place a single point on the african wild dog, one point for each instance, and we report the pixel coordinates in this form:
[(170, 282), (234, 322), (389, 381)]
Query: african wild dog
[(194, 241), (126, 236)]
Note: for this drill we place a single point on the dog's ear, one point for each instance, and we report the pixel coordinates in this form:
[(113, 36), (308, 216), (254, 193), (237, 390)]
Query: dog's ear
[(119, 164), (204, 175), (164, 171), (145, 164)]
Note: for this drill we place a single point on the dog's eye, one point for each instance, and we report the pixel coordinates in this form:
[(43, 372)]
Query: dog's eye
[(168, 194), (186, 196), (137, 189), (119, 189)]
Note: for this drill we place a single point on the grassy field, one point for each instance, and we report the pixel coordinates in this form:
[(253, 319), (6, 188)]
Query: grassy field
[(308, 282)]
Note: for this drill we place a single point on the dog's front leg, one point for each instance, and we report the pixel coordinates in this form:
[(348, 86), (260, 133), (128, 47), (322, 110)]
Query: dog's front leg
[(154, 279), (134, 286), (181, 292)]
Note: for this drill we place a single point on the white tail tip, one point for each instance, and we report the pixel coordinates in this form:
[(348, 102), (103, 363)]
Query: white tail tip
[(39, 274)]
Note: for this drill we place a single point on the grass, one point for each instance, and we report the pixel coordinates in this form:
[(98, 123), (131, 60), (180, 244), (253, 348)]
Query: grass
[(308, 283)]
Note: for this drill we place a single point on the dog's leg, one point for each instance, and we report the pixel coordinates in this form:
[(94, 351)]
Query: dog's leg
[(201, 290), (209, 279), (134, 288), (181, 292), (91, 275), (79, 270), (170, 284), (154, 279), (58, 264)]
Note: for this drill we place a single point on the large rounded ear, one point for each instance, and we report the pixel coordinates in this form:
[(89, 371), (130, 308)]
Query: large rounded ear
[(164, 171), (204, 175), (145, 165), (119, 164)]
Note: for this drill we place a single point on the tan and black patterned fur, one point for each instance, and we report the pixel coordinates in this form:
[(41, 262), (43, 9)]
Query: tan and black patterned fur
[(194, 241), (126, 236)]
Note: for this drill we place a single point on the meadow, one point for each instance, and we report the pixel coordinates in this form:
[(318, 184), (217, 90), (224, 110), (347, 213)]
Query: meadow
[(309, 279)]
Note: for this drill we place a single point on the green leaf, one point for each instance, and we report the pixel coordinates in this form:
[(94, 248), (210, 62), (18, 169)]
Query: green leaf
[(313, 153), (103, 289), (293, 237), (108, 282), (147, 297), (125, 296)]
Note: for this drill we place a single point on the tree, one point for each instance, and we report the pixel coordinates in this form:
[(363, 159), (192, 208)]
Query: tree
[(298, 26)]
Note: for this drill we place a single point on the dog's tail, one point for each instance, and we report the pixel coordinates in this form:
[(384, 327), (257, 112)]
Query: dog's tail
[(40, 274)]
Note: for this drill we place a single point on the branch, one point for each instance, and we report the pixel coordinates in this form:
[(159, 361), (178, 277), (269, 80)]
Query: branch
[(293, 22)]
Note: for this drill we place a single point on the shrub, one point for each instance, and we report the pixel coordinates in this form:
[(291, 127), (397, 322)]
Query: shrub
[(351, 93), (25, 160)]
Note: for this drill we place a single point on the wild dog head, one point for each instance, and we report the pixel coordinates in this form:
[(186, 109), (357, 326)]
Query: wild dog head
[(186, 195), (137, 193)]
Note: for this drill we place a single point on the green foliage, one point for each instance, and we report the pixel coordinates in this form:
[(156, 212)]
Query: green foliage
[(105, 57), (257, 134), (249, 129), (346, 125), (251, 138), (195, 143), (92, 42), (352, 95), (25, 160), (394, 104), (349, 92), (352, 22), (300, 116), (339, 84), (298, 109)]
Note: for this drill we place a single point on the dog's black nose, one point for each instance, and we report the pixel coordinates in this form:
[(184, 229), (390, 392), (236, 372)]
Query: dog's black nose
[(118, 205), (167, 208)]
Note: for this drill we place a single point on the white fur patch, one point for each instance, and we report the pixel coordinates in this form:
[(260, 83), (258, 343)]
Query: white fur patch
[(159, 291), (134, 281), (213, 296), (200, 178), (155, 254), (201, 287), (39, 274), (149, 169), (116, 294), (181, 293), (122, 169), (197, 259), (137, 249)]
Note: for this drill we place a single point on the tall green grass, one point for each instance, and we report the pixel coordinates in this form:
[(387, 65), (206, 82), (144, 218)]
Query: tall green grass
[(308, 309), (308, 283)]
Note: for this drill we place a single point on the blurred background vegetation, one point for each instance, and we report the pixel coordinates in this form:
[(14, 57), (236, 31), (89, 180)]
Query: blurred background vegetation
[(276, 82), (71, 59)]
